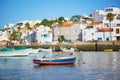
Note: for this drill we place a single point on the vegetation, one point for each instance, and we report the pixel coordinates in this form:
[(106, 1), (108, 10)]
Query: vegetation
[(15, 36), (27, 26), (110, 17), (61, 38), (75, 18)]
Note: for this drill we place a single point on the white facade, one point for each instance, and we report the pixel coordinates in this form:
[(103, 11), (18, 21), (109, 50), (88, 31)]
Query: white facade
[(71, 32), (43, 34), (100, 15)]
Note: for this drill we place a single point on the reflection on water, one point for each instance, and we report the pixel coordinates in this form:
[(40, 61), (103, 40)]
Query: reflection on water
[(53, 66), (88, 66)]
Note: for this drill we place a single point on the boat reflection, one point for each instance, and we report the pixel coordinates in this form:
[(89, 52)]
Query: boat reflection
[(51, 66)]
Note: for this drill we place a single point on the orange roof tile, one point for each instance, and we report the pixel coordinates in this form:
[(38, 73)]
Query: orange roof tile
[(67, 24), (95, 23), (105, 29), (50, 31)]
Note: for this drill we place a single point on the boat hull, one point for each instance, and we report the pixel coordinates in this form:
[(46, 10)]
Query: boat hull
[(55, 61)]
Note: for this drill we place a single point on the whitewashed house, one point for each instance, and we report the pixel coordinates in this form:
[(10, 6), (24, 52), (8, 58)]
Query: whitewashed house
[(41, 34), (100, 15)]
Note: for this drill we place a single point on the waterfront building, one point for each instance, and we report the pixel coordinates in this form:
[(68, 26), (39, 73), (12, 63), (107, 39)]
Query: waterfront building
[(71, 31), (100, 15), (41, 34)]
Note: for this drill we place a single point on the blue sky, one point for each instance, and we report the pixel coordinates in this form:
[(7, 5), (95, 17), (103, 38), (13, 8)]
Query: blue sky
[(12, 11)]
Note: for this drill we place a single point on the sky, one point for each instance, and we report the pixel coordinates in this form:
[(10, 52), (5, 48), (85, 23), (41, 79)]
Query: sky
[(12, 11)]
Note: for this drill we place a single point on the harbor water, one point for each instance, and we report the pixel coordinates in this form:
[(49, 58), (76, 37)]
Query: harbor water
[(88, 66)]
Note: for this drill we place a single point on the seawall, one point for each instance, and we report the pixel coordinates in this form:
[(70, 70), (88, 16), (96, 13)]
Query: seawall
[(82, 46)]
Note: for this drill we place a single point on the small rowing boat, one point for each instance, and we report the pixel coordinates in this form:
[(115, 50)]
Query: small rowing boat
[(55, 60)]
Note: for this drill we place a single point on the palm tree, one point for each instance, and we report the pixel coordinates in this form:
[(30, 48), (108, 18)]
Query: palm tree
[(110, 17)]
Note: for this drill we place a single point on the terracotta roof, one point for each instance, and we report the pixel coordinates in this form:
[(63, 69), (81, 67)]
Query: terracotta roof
[(67, 24), (50, 31), (105, 29), (95, 23)]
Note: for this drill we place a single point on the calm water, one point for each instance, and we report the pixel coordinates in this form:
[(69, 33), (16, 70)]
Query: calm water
[(88, 66)]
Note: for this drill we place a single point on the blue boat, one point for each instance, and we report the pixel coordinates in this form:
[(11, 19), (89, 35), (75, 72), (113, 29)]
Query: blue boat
[(55, 60)]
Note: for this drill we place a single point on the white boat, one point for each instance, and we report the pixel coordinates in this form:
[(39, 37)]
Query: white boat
[(15, 53), (45, 50), (33, 51), (67, 50)]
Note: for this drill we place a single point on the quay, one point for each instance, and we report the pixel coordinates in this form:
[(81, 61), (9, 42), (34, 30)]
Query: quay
[(81, 46)]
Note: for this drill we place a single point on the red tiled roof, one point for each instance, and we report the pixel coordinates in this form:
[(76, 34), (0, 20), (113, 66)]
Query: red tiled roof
[(50, 31), (67, 24), (95, 23), (105, 29)]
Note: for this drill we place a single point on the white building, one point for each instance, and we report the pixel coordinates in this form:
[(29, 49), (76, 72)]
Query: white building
[(100, 15), (41, 34)]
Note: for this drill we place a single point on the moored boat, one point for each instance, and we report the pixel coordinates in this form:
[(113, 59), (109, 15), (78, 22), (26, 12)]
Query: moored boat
[(67, 50), (45, 50), (55, 60), (108, 50), (15, 53)]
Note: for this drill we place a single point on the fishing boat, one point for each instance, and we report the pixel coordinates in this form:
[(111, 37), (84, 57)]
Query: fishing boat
[(45, 50), (55, 60), (67, 50), (108, 50), (15, 53)]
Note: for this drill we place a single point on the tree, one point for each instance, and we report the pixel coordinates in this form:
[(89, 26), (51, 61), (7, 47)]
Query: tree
[(75, 18), (48, 23), (61, 38), (110, 17), (27, 26), (60, 21), (13, 36), (37, 24)]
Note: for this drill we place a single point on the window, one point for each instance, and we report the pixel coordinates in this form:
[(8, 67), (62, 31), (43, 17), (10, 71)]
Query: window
[(109, 10), (117, 31), (92, 33), (118, 18), (106, 25), (118, 24), (107, 39), (75, 31), (100, 39), (46, 36)]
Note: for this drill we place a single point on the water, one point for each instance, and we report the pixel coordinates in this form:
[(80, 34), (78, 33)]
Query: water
[(88, 66)]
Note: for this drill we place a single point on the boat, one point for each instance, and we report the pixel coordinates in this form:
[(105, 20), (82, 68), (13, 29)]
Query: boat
[(45, 50), (33, 51), (108, 50), (55, 60), (15, 53), (67, 50), (7, 49)]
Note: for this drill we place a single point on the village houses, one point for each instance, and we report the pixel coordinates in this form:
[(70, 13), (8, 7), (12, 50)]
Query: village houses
[(97, 27)]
